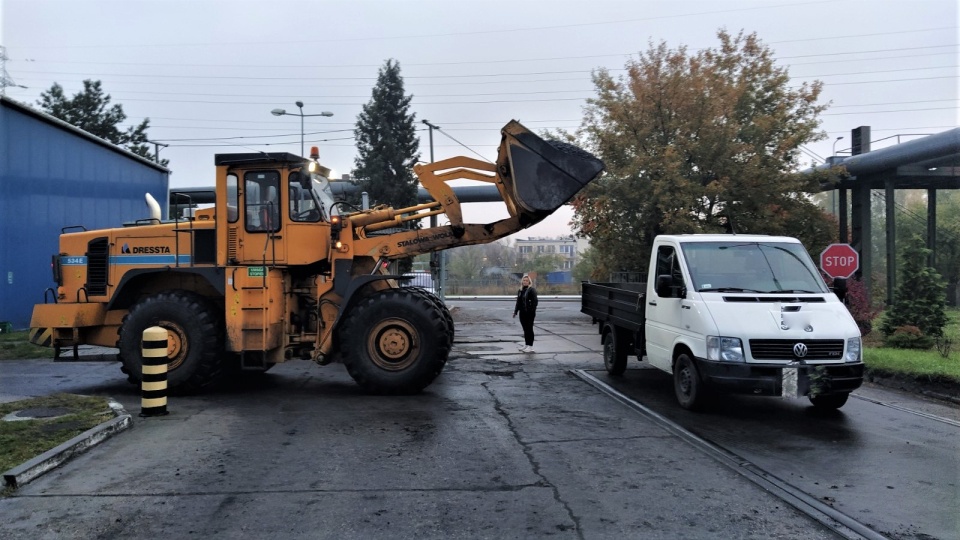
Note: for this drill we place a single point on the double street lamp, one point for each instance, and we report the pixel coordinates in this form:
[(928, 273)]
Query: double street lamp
[(299, 104)]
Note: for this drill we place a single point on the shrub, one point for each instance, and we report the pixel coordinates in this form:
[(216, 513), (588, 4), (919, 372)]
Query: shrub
[(920, 298), (908, 337), (858, 306)]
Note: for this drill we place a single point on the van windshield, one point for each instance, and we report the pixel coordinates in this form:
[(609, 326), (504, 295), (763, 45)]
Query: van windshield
[(757, 267)]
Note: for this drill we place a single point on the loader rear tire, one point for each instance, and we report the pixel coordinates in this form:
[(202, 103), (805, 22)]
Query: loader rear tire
[(194, 336), (395, 342)]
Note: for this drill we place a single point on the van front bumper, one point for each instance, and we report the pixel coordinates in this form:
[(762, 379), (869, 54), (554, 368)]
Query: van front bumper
[(767, 380)]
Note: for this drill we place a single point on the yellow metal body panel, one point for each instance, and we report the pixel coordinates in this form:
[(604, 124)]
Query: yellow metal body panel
[(67, 315), (255, 308)]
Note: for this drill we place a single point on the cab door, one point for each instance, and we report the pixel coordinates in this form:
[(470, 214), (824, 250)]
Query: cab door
[(665, 309)]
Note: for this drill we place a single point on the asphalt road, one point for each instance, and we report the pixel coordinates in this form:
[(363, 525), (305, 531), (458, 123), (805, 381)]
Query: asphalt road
[(503, 445)]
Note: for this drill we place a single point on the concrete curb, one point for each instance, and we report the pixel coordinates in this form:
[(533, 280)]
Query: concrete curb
[(96, 357), (55, 457)]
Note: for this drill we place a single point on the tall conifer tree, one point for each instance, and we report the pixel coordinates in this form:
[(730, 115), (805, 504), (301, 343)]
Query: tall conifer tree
[(387, 142)]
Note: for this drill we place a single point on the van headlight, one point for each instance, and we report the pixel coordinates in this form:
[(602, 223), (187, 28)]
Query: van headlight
[(724, 349), (854, 350)]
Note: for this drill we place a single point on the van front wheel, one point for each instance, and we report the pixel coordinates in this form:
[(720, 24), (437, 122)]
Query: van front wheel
[(829, 402), (687, 385)]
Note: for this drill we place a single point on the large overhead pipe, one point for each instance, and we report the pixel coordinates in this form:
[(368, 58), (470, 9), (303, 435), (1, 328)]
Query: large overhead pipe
[(932, 147)]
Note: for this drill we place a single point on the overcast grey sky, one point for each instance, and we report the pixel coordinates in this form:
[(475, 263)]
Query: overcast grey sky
[(208, 72)]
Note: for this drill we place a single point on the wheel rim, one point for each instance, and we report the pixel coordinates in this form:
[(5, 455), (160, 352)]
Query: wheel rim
[(176, 344), (608, 352), (393, 344), (683, 381)]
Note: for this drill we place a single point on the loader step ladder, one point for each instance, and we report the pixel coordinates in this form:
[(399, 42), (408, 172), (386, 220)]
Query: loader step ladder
[(255, 309)]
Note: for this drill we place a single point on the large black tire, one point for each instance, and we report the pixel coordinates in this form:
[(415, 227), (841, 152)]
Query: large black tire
[(614, 353), (194, 336), (394, 342), (829, 402), (447, 317), (687, 386)]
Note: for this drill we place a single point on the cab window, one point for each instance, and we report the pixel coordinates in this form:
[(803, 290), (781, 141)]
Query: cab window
[(669, 265), (232, 213), (303, 205), (262, 200)]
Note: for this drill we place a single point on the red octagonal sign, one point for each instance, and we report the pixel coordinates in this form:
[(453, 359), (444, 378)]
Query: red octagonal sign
[(839, 260)]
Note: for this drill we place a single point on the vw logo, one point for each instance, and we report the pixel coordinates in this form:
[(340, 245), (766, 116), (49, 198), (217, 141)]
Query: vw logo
[(800, 350)]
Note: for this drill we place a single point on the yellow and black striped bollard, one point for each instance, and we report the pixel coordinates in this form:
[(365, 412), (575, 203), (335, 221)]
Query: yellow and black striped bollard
[(153, 389)]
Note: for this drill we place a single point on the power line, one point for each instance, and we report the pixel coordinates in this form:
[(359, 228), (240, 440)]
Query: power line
[(417, 77), (498, 61), (463, 33)]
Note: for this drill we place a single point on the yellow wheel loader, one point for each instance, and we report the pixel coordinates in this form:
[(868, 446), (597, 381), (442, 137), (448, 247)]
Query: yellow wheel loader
[(278, 270)]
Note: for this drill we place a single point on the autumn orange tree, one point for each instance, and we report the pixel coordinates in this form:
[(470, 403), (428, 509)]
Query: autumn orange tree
[(703, 142)]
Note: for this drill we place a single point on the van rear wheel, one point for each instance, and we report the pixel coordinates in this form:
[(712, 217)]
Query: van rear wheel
[(614, 354)]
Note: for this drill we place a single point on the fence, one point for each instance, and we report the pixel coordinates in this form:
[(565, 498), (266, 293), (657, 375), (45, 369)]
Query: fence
[(500, 287)]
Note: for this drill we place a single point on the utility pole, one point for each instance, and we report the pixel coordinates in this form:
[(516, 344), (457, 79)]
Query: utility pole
[(5, 79), (156, 149), (437, 259)]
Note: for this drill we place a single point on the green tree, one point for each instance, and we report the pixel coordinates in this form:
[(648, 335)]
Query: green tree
[(465, 262), (586, 265), (90, 110), (387, 142), (698, 143), (387, 145), (919, 298), (912, 221), (541, 263)]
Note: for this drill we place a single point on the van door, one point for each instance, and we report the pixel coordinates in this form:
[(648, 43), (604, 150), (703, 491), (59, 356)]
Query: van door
[(664, 312)]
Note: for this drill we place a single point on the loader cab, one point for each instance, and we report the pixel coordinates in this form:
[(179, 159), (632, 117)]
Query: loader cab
[(275, 209)]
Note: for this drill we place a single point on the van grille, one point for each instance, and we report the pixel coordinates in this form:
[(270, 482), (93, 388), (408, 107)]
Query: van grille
[(782, 349), (98, 254)]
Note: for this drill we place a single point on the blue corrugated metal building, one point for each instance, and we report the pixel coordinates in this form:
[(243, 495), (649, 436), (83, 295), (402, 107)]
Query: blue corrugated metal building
[(53, 175)]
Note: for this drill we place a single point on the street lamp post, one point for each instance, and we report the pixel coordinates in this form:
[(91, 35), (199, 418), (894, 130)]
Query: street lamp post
[(299, 104), (834, 151)]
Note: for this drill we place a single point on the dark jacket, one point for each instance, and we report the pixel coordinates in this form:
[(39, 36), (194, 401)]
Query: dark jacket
[(526, 301)]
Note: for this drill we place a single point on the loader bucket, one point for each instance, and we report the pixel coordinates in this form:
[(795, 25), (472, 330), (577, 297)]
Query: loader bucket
[(540, 175)]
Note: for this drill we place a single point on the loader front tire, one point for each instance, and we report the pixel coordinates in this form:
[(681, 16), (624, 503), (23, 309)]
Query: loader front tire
[(194, 339), (436, 301), (395, 342)]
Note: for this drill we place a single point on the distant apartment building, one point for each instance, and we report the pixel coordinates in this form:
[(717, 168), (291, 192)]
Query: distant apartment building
[(567, 248)]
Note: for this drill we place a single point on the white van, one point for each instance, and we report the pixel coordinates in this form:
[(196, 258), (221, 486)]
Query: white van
[(732, 313)]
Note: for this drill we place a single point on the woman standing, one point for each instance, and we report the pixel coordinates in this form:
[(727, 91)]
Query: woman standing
[(527, 308)]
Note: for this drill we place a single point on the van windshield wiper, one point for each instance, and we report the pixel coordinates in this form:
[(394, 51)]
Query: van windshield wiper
[(726, 289), (794, 291)]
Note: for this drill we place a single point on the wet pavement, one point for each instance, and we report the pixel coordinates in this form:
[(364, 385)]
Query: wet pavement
[(503, 445)]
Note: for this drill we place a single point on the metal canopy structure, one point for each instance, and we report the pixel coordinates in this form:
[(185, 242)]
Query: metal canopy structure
[(931, 163)]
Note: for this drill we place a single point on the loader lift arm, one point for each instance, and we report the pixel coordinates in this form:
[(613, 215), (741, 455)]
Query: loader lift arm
[(534, 177)]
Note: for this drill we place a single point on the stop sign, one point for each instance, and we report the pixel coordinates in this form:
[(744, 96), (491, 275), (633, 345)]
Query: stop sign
[(839, 260)]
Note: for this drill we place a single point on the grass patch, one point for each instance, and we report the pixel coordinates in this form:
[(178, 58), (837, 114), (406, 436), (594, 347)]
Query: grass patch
[(17, 346), (928, 364), (912, 362), (23, 440)]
